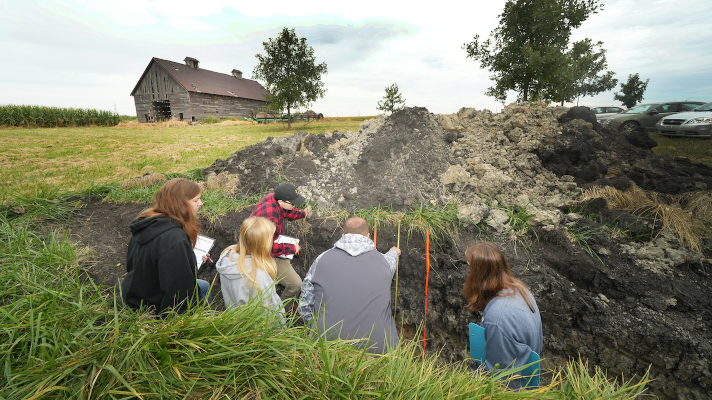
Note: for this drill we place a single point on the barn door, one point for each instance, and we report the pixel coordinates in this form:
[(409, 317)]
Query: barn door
[(162, 110)]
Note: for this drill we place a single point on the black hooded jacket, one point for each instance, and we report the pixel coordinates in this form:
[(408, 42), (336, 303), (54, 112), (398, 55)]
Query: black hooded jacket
[(161, 265)]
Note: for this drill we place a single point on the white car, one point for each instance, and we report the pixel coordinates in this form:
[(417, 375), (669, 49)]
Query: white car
[(604, 111), (695, 123)]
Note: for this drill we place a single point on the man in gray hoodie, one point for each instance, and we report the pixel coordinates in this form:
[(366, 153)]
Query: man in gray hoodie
[(347, 291)]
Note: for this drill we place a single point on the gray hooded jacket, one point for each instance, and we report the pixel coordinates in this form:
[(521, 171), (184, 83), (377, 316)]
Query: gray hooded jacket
[(347, 294), (238, 291)]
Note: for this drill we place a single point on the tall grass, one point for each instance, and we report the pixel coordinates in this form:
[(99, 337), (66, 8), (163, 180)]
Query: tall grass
[(62, 339), (52, 117)]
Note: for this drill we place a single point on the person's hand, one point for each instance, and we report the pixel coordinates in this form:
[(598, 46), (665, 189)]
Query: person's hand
[(206, 258), (307, 211), (396, 249), (297, 247)]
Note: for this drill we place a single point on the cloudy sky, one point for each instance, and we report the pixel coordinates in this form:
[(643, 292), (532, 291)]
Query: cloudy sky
[(84, 53)]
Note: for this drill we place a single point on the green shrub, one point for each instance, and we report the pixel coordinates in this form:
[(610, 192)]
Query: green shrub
[(210, 119)]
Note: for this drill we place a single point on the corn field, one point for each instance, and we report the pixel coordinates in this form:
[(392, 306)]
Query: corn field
[(52, 117)]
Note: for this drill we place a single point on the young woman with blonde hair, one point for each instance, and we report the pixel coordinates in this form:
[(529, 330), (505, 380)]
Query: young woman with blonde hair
[(160, 262), (510, 314), (247, 270)]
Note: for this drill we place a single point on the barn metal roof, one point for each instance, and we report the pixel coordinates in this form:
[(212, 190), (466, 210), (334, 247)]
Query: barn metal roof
[(211, 82)]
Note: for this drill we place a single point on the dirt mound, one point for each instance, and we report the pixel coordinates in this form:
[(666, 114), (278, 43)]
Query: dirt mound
[(623, 301)]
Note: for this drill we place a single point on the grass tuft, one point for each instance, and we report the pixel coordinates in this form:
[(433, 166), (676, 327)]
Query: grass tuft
[(580, 236), (442, 221), (576, 382), (686, 215)]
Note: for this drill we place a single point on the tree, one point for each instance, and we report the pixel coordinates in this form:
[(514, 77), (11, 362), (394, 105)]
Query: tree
[(392, 101), (631, 91), (290, 73), (583, 79), (526, 52)]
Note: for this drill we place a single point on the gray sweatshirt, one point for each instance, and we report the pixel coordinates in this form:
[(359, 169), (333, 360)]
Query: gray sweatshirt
[(347, 294), (237, 291), (512, 331)]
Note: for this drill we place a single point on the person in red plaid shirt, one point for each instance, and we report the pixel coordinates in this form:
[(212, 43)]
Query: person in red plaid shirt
[(276, 207)]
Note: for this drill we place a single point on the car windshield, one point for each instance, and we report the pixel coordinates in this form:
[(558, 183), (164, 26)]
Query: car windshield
[(704, 107), (638, 109)]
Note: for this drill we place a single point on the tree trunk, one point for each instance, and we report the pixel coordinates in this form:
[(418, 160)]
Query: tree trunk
[(289, 117)]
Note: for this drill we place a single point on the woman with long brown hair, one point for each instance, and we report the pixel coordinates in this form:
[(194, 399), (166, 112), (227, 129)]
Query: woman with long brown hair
[(510, 314), (161, 264)]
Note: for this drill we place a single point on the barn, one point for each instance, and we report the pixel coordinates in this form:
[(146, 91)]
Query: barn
[(186, 92)]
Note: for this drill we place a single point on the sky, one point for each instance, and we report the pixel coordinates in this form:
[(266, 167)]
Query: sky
[(91, 54)]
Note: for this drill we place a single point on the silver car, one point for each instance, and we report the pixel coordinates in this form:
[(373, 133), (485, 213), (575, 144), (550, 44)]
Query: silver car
[(695, 123), (646, 115), (605, 111)]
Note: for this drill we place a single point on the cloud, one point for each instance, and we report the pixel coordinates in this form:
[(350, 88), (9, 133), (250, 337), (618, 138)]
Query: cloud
[(354, 43), (74, 52)]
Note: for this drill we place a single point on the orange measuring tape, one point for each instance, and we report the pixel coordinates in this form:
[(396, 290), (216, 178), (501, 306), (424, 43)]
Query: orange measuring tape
[(427, 279), (375, 232)]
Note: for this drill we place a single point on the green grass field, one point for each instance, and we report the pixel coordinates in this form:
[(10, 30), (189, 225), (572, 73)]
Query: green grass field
[(696, 149), (73, 159)]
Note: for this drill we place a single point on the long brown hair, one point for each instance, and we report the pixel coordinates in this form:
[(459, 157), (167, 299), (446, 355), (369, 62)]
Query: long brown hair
[(490, 273), (173, 200)]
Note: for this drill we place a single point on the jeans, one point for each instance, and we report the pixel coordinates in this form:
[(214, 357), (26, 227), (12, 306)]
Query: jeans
[(204, 293)]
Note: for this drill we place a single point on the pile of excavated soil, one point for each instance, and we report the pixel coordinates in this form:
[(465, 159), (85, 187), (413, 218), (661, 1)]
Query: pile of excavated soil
[(640, 303)]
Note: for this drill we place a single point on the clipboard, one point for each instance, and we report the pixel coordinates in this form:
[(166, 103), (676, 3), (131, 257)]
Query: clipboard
[(203, 245), (289, 240)]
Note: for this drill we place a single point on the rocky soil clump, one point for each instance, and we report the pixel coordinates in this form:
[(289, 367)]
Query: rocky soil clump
[(624, 301)]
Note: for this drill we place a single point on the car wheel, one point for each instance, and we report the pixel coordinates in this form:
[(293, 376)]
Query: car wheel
[(629, 126)]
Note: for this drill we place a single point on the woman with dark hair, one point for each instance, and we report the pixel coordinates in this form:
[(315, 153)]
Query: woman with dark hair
[(160, 262), (510, 314)]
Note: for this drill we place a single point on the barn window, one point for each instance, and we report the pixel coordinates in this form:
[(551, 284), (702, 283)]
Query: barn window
[(180, 116)]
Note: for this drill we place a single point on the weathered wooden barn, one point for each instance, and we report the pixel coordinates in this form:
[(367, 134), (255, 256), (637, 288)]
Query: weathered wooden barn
[(186, 92)]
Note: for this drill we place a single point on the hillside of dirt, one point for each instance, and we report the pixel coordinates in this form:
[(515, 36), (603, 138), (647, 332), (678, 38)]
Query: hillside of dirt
[(642, 301)]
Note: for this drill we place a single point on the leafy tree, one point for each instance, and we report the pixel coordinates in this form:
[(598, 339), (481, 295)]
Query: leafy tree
[(527, 51), (392, 101), (290, 72), (586, 75), (631, 91)]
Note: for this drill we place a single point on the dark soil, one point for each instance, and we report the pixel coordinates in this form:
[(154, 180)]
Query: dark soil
[(642, 302)]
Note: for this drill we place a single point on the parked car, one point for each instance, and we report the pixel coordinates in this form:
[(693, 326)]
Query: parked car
[(646, 115), (695, 123), (605, 111)]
